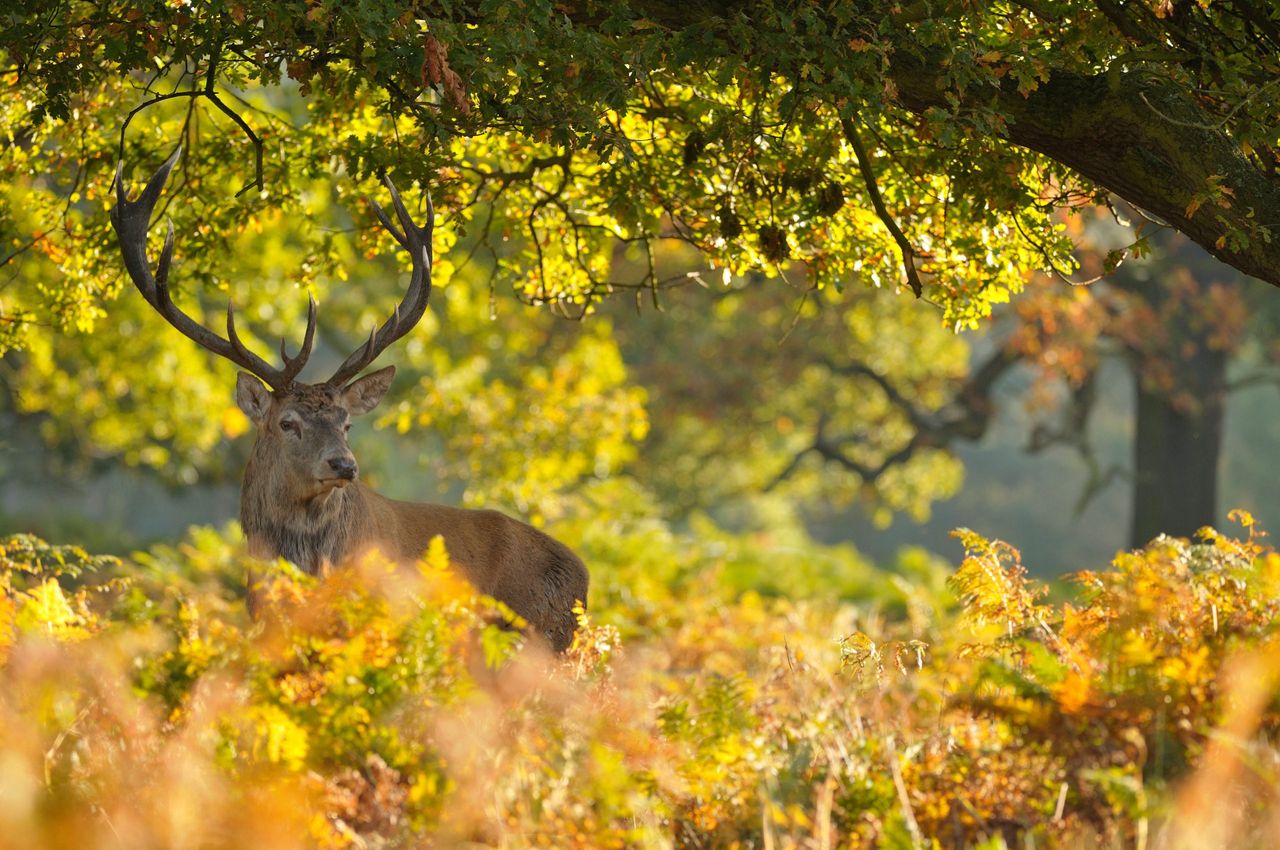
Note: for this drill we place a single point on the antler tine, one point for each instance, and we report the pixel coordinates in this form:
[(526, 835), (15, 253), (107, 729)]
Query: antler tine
[(234, 338), (166, 257), (386, 223), (417, 241), (132, 220), (293, 365), (403, 214)]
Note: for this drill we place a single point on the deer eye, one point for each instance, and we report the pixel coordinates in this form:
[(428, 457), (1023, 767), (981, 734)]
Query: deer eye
[(290, 426), (346, 429)]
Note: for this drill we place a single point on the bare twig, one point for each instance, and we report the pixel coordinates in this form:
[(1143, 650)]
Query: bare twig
[(210, 94), (1201, 125), (144, 105)]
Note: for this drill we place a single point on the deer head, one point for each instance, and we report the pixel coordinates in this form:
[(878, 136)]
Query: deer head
[(302, 428)]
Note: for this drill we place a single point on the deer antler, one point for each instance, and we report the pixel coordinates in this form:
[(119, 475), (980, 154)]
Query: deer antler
[(417, 241), (132, 220)]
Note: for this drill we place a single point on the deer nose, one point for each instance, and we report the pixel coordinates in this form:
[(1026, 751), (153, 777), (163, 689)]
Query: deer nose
[(344, 467)]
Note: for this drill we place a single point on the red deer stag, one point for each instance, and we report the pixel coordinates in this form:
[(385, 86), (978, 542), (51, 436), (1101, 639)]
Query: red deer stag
[(302, 498)]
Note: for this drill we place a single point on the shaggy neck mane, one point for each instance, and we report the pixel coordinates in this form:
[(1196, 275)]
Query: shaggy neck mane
[(313, 534)]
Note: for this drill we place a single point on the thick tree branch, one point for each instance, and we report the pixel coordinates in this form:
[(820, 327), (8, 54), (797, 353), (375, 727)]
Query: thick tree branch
[(966, 417), (918, 418), (1141, 137), (833, 453), (1145, 138), (1074, 434)]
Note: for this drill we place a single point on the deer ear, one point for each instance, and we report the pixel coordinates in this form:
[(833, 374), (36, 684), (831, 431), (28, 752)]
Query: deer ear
[(363, 395), (252, 397)]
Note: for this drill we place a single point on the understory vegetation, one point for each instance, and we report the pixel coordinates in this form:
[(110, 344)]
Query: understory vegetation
[(699, 707)]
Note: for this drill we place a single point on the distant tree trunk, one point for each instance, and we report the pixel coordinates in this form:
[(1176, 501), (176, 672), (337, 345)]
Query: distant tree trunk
[(1182, 397), (1176, 452)]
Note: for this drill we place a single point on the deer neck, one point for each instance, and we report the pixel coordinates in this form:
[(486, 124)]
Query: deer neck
[(315, 533)]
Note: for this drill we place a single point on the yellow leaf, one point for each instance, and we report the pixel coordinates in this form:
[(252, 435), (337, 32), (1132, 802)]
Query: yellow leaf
[(436, 558), (234, 422), (7, 608), (1137, 650), (48, 611), (1241, 516), (1073, 693), (1072, 622), (277, 738)]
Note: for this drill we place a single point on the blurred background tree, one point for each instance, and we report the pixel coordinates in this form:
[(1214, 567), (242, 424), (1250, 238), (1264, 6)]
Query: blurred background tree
[(1123, 384), (1190, 333)]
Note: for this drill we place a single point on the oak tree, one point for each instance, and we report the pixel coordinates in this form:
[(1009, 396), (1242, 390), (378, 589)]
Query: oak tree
[(927, 146)]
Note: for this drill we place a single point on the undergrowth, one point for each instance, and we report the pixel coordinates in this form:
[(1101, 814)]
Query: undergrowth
[(383, 707)]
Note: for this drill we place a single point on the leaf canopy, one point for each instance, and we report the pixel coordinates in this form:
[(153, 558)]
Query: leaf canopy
[(844, 144)]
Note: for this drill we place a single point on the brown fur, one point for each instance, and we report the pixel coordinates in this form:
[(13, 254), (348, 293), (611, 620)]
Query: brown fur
[(289, 511)]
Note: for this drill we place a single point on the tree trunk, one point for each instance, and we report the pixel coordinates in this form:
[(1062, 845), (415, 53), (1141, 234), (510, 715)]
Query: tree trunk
[(1176, 450)]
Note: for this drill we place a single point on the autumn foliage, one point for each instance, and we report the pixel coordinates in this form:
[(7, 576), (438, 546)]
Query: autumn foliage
[(139, 707)]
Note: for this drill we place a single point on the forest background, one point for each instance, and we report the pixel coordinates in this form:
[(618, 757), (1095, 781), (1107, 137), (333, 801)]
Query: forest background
[(735, 298)]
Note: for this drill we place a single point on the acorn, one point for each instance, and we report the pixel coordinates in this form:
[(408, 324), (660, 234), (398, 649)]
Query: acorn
[(694, 144), (730, 224), (773, 243), (829, 198)]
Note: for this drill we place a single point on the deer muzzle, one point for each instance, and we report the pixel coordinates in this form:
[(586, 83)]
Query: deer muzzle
[(344, 468)]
